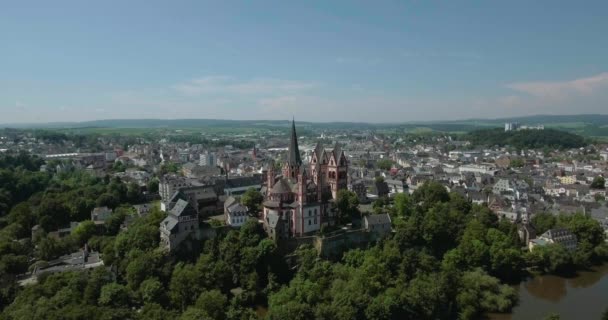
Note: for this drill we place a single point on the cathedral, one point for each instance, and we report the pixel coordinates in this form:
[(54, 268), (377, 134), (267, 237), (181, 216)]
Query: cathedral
[(297, 200)]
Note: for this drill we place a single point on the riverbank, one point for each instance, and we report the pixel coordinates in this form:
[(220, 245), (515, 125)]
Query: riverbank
[(579, 297)]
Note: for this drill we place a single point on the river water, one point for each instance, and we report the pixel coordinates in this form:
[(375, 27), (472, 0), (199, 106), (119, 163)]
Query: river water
[(584, 297)]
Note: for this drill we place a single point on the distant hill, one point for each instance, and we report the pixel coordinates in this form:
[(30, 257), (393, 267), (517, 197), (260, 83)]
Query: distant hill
[(594, 119), (526, 139), (586, 124)]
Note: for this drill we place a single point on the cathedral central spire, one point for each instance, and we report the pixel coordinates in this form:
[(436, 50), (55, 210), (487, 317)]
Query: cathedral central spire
[(293, 157)]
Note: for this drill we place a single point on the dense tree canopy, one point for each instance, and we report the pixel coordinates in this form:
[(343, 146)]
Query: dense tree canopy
[(526, 139)]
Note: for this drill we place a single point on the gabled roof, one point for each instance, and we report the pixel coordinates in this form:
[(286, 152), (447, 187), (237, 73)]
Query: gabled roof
[(378, 219), (281, 186), (229, 201), (169, 223), (338, 151), (182, 208)]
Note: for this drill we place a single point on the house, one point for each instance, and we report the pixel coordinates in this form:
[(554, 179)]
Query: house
[(379, 224), (396, 186), (192, 170), (555, 236), (235, 213), (180, 223), (526, 232), (63, 232), (239, 185), (101, 214), (143, 209), (360, 190)]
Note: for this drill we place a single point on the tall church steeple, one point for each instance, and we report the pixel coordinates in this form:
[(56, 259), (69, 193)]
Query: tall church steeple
[(294, 160)]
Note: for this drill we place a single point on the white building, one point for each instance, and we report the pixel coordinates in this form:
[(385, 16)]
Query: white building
[(478, 168), (208, 159), (235, 213)]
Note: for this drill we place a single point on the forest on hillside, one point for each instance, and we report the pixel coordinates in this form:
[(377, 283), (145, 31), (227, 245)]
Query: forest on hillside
[(525, 139)]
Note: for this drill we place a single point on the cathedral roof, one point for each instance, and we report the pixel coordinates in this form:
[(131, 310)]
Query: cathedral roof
[(281, 186), (337, 151)]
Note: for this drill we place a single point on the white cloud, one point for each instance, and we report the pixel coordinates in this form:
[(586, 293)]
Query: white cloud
[(559, 90), (229, 85)]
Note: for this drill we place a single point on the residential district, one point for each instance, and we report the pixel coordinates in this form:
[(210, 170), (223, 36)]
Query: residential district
[(297, 181)]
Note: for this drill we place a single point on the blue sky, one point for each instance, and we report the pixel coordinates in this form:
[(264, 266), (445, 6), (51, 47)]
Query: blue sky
[(376, 61)]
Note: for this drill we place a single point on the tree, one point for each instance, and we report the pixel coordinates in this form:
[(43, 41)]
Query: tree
[(213, 303), (140, 268), (169, 167), (114, 295), (133, 192), (252, 199), (181, 289), (430, 193), (193, 313), (543, 221), (108, 200), (384, 164), (98, 278), (403, 204), (153, 186), (154, 311), (598, 183), (517, 163), (347, 204), (84, 231), (151, 291), (479, 293)]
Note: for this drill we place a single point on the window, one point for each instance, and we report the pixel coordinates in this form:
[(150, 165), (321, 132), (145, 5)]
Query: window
[(315, 211), (309, 222), (315, 220)]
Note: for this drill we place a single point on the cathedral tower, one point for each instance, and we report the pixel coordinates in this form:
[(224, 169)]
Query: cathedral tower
[(291, 168)]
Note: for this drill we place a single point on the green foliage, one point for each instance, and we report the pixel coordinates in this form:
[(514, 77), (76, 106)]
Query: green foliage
[(213, 303), (517, 163), (252, 199), (403, 204), (347, 205), (114, 295), (525, 139), (169, 167), (384, 164), (598, 183), (430, 193), (553, 258), (543, 221), (153, 185), (151, 291), (84, 231), (480, 292)]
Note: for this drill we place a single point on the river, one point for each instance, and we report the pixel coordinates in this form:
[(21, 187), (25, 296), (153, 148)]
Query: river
[(584, 297)]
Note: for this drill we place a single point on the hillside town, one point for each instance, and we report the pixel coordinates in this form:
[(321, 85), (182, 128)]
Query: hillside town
[(299, 178), (333, 191)]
